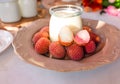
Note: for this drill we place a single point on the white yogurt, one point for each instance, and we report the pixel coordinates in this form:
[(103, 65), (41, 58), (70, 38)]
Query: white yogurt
[(65, 17)]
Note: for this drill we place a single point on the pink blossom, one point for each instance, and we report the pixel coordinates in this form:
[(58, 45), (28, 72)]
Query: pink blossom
[(118, 12), (112, 10)]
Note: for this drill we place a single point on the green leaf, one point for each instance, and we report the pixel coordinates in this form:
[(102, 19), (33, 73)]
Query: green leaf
[(117, 1), (105, 3), (117, 4)]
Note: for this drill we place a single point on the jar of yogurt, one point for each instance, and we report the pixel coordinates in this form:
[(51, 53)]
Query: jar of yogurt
[(9, 11), (28, 8), (64, 15)]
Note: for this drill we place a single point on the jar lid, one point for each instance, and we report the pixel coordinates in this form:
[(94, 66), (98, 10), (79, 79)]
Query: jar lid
[(7, 0)]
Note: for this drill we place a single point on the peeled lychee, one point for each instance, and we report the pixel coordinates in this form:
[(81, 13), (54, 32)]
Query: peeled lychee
[(66, 36), (42, 45), (57, 50), (93, 36), (82, 37), (75, 52)]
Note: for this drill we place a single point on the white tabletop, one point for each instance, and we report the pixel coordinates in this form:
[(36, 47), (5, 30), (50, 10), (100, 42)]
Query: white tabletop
[(16, 71)]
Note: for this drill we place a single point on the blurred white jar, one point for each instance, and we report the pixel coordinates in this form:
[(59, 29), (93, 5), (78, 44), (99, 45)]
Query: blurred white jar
[(9, 11), (28, 8)]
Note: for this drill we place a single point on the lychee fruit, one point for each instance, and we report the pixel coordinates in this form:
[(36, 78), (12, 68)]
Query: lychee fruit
[(57, 50), (44, 32), (36, 37), (94, 37), (45, 29), (82, 37), (75, 52), (90, 47), (66, 36), (42, 45)]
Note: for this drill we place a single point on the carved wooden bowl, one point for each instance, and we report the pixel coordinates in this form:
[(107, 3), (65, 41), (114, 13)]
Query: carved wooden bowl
[(109, 49)]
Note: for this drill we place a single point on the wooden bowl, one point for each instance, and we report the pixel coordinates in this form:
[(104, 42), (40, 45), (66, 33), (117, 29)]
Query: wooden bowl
[(109, 52)]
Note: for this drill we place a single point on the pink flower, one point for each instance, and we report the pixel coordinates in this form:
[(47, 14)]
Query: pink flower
[(112, 10), (118, 12)]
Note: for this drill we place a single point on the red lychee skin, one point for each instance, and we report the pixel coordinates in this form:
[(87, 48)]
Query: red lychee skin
[(36, 37), (45, 29), (44, 32), (42, 45), (90, 47), (94, 37), (75, 52), (57, 50)]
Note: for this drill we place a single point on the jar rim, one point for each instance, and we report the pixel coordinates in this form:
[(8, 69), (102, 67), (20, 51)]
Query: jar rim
[(78, 9)]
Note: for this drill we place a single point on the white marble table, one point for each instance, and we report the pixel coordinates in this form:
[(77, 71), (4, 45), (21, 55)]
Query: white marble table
[(15, 71)]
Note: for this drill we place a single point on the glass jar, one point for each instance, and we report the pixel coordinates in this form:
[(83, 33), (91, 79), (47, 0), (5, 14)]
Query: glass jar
[(64, 15), (28, 8), (9, 11)]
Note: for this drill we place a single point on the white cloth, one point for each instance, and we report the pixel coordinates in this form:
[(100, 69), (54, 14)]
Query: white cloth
[(113, 20)]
